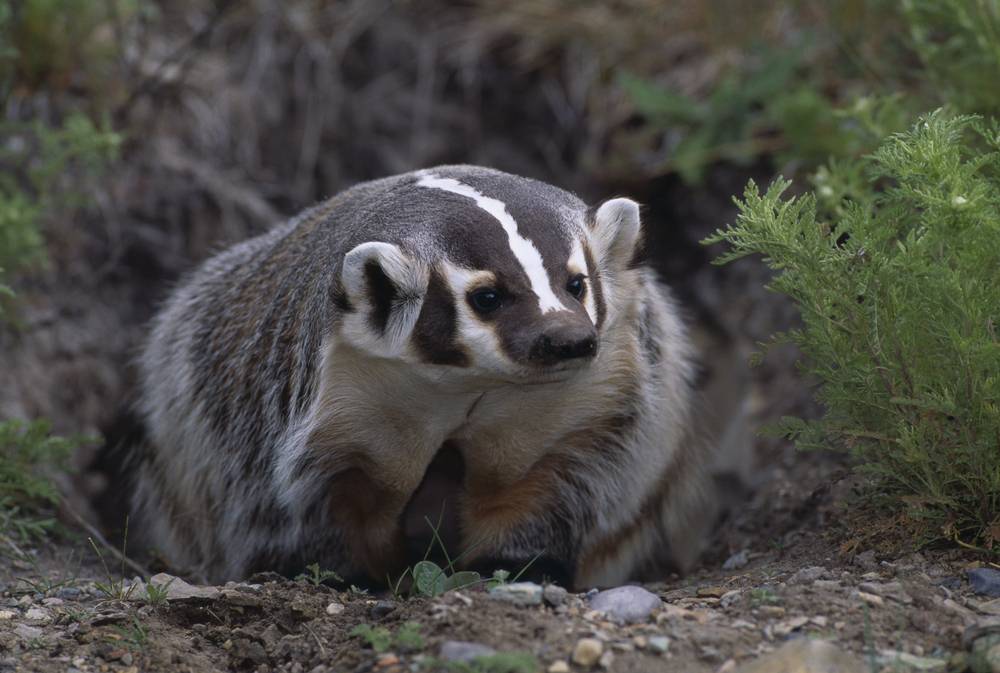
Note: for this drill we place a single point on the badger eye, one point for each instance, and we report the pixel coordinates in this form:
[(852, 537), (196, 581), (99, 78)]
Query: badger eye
[(575, 286), (485, 300)]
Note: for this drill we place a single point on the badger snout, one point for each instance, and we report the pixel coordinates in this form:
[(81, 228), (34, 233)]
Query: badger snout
[(563, 342)]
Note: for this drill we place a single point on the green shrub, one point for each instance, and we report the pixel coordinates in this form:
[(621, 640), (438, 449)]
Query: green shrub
[(27, 495), (898, 283)]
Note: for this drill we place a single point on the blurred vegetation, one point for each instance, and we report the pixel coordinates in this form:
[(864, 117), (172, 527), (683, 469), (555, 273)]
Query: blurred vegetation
[(44, 172), (894, 263)]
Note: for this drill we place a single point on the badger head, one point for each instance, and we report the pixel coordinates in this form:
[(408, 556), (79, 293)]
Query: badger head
[(488, 274)]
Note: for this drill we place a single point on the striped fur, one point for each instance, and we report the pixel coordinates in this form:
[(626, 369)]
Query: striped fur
[(297, 387)]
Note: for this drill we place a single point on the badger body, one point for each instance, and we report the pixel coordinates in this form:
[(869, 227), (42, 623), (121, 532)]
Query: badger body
[(304, 389)]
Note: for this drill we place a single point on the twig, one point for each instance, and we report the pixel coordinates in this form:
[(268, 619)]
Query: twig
[(96, 535), (322, 650)]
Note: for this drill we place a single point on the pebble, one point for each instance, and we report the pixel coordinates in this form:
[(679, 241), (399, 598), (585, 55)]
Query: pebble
[(334, 608), (871, 599), (804, 655), (895, 660), (606, 660), (587, 652), (554, 595), (177, 589), (738, 560), (26, 632), (807, 575), (464, 651), (68, 593), (893, 590), (985, 581), (519, 593), (659, 644), (628, 604), (7, 614), (711, 592), (558, 667), (866, 560), (38, 615), (382, 609)]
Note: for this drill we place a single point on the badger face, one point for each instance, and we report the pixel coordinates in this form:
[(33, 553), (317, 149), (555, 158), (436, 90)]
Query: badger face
[(497, 278)]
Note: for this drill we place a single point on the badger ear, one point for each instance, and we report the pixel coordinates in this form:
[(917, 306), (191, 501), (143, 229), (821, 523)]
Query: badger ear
[(386, 287), (615, 230)]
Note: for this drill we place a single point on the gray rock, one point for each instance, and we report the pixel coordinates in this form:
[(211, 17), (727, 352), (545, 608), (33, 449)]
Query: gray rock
[(177, 589), (893, 590), (464, 651), (519, 593), (382, 609), (807, 575), (659, 644), (985, 581), (895, 660), (554, 595), (27, 633), (738, 560), (866, 560), (626, 604), (804, 655)]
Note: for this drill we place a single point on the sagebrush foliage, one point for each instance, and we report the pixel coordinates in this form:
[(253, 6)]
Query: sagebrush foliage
[(28, 454), (898, 283)]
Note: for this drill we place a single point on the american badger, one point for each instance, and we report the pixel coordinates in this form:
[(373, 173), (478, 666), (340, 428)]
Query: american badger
[(455, 338)]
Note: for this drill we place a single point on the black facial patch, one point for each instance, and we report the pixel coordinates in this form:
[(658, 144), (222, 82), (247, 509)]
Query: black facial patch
[(595, 284), (382, 292), (437, 325)]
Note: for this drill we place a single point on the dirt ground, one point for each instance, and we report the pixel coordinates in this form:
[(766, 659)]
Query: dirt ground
[(789, 579)]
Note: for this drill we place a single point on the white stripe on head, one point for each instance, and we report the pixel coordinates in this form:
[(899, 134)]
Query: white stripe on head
[(524, 250)]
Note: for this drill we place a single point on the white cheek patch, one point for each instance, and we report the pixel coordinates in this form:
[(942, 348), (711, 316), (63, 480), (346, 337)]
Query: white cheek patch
[(479, 339), (524, 250), (578, 264)]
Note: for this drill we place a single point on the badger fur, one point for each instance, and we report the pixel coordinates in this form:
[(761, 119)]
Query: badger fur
[(459, 325)]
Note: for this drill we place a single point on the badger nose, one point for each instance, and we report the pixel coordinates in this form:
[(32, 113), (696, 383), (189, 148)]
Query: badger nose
[(565, 343)]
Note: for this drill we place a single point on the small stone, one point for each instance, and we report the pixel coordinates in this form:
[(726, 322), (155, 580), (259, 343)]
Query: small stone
[(52, 602), (554, 595), (382, 609), (558, 667), (895, 660), (711, 592), (587, 651), (782, 629), (628, 604), (27, 633), (985, 581), (179, 590), (386, 660), (804, 655), (871, 599), (659, 644), (519, 593), (866, 560), (640, 642), (38, 615), (827, 585), (738, 560), (334, 608), (606, 660), (7, 614), (772, 610), (807, 575), (728, 666), (108, 618), (820, 621), (25, 601), (893, 590), (69, 593), (729, 597), (992, 659), (464, 651)]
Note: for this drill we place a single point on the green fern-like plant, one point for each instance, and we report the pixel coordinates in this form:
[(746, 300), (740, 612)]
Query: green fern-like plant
[(898, 283)]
